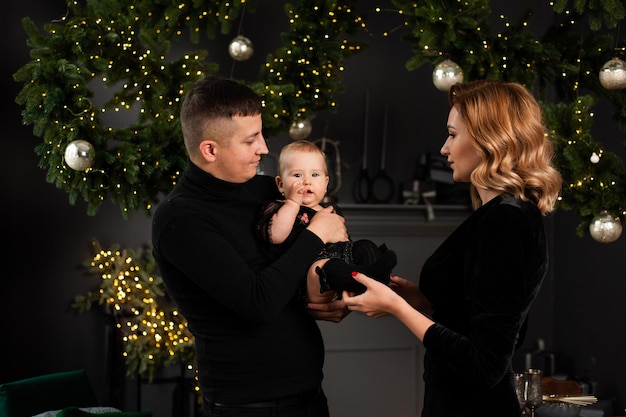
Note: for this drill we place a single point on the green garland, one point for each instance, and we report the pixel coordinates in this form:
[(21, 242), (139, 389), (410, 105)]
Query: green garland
[(594, 178), (304, 76), (121, 49), (563, 65)]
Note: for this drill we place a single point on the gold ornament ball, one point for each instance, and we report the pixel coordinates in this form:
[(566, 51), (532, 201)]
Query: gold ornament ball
[(240, 48), (79, 155), (605, 228), (300, 129), (613, 74), (446, 74)]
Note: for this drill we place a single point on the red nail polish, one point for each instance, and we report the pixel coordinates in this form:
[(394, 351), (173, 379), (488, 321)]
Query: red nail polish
[(354, 273)]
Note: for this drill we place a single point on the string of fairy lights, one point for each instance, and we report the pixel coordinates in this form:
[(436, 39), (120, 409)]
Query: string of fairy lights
[(104, 88), (153, 332)]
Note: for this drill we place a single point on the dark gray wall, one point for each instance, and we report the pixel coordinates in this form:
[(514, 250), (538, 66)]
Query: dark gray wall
[(580, 312)]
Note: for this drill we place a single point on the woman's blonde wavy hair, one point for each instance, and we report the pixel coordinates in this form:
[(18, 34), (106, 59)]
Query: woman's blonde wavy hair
[(505, 123)]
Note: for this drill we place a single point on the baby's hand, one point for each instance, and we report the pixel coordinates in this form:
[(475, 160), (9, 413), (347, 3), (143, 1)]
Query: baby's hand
[(296, 193)]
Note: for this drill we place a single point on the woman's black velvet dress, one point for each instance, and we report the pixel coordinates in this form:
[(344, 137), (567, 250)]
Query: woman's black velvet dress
[(481, 282)]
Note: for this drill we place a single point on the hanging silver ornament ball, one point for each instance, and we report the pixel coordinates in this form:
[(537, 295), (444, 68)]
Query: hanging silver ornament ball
[(605, 228), (240, 48), (300, 129), (446, 74), (79, 155), (594, 158), (613, 74)]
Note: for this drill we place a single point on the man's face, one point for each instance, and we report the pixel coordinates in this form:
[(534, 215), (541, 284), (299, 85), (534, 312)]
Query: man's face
[(238, 154)]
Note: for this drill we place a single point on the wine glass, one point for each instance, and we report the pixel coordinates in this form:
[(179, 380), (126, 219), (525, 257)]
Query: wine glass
[(520, 389), (534, 394)]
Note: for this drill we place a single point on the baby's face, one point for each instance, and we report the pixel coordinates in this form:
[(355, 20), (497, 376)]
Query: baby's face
[(304, 177)]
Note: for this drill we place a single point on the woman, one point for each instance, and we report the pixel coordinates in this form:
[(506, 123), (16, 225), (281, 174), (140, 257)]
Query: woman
[(475, 291)]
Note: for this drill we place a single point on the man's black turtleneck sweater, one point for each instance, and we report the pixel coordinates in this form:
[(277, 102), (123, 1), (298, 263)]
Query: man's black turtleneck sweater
[(254, 340)]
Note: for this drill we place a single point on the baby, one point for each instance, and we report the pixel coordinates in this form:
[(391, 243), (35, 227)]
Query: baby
[(302, 179)]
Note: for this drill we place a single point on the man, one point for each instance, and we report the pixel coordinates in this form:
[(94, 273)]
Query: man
[(258, 348)]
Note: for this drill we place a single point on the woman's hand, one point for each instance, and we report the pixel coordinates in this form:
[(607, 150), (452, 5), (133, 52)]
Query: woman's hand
[(377, 301), (411, 292)]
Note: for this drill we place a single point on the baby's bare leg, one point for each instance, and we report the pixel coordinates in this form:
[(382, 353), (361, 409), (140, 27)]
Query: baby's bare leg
[(313, 294)]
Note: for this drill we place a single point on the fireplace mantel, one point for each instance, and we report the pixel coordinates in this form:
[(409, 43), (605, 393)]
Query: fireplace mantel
[(403, 220)]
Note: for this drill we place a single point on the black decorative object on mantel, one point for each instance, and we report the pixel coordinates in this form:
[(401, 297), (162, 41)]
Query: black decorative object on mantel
[(333, 163), (382, 186), (433, 184), (362, 191)]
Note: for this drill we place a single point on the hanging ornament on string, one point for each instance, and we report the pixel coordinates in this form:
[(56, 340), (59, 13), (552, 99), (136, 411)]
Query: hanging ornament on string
[(446, 74), (79, 155), (594, 158), (613, 74), (240, 48), (300, 129), (605, 228)]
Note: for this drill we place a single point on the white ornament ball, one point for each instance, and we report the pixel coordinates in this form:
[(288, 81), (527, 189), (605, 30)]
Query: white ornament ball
[(605, 228), (240, 48), (300, 129), (613, 74), (446, 74), (79, 155), (594, 158)]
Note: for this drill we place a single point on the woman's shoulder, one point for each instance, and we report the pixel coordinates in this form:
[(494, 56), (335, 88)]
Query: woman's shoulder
[(511, 213), (517, 207), (507, 204)]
